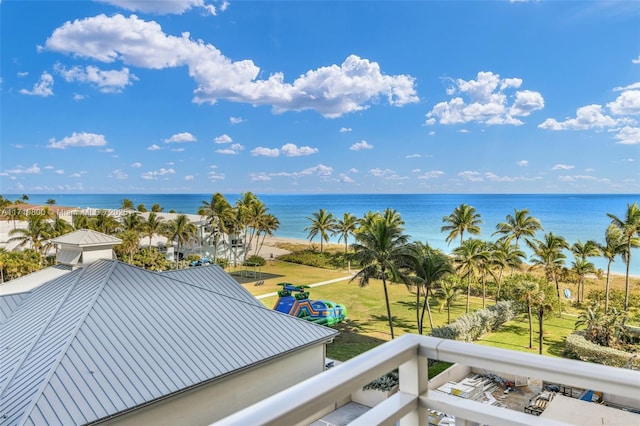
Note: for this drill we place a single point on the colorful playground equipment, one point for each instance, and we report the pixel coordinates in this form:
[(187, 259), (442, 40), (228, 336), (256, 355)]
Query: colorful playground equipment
[(294, 300)]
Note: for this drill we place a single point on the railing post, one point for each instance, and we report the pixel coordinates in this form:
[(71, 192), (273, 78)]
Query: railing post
[(414, 380)]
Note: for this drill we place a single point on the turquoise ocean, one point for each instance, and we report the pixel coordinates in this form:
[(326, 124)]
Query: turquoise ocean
[(575, 217)]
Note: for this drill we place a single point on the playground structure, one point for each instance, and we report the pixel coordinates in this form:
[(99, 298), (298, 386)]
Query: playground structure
[(294, 300)]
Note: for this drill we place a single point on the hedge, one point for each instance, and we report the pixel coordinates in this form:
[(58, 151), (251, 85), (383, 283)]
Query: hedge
[(578, 347), (472, 326)]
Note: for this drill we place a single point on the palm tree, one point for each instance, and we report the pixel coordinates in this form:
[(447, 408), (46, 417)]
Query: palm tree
[(182, 231), (243, 214), (219, 214), (548, 254), (268, 224), (38, 230), (104, 222), (132, 221), (60, 227), (518, 226), (81, 221), (153, 225), (448, 292), (130, 242), (504, 255), (463, 219), (543, 305), (321, 224), (582, 267), (126, 204), (257, 212), (430, 266), (50, 202), (156, 208), (613, 246), (527, 294), (630, 228), (380, 250), (345, 227), (467, 259)]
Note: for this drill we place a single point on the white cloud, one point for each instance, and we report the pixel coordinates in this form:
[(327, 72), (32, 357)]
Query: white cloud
[(523, 163), (471, 176), (628, 103), (265, 152), (34, 169), (154, 174), (213, 175), (331, 90), (636, 61), (18, 146), (59, 172), (111, 81), (259, 177), (236, 120), (118, 175), (587, 117), (629, 135), (632, 86), (360, 145), (486, 102), (320, 170), (562, 167), (387, 174), (353, 170), (223, 139), (78, 174), (153, 147), (181, 138), (431, 175), (234, 149), (567, 178), (177, 7), (136, 164), (413, 156), (78, 97), (23, 74), (492, 177), (177, 149), (291, 150), (188, 177), (78, 140), (343, 178), (345, 129), (44, 86)]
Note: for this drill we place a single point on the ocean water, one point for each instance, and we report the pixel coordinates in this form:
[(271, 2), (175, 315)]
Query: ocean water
[(575, 217)]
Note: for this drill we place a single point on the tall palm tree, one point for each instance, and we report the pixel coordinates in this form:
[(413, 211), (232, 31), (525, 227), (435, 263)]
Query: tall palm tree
[(504, 255), (582, 267), (543, 305), (268, 224), (182, 231), (257, 212), (613, 246), (448, 291), (520, 225), (81, 221), (463, 219), (152, 226), (104, 222), (527, 293), (345, 227), (429, 266), (59, 227), (126, 204), (130, 242), (380, 250), (630, 228), (219, 213), (243, 215), (322, 223), (467, 259), (548, 254), (131, 221)]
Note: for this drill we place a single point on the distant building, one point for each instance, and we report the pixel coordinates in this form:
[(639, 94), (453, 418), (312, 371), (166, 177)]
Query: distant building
[(106, 342)]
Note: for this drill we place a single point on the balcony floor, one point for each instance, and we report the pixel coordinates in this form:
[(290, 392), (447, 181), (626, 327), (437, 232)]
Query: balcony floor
[(342, 416)]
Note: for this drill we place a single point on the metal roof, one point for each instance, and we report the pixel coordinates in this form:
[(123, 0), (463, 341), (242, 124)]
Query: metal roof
[(110, 337), (214, 278), (27, 283), (9, 303), (86, 237)]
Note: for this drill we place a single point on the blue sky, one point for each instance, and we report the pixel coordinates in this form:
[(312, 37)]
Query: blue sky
[(201, 96)]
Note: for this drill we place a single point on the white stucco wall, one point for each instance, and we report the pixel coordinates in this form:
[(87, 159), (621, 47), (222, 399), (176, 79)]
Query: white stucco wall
[(209, 403)]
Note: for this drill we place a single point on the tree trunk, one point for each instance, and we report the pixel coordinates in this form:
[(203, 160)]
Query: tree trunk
[(386, 299), (468, 291), (426, 306), (418, 318), (606, 290), (540, 321), (626, 281), (530, 326)]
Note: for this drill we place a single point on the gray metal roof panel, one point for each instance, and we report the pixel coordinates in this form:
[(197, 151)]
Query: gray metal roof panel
[(86, 237), (121, 336), (214, 278), (9, 303)]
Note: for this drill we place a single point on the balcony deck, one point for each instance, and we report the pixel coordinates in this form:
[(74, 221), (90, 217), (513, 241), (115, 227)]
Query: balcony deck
[(301, 404)]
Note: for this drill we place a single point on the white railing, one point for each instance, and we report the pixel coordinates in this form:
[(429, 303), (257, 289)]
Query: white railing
[(410, 404)]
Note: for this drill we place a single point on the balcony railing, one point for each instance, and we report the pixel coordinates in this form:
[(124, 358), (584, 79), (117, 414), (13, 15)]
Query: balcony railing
[(410, 405)]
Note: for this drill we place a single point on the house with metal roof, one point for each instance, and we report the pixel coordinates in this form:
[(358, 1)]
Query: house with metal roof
[(110, 343)]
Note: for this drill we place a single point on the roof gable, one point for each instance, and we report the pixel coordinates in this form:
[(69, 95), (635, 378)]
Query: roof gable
[(85, 238), (109, 337)]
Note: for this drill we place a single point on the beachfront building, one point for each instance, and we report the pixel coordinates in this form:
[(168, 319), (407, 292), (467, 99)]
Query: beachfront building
[(108, 342)]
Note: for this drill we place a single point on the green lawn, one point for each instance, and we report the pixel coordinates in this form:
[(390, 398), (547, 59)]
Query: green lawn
[(367, 326)]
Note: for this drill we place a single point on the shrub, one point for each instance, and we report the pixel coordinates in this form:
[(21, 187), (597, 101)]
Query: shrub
[(578, 347), (472, 326), (222, 262), (255, 260)]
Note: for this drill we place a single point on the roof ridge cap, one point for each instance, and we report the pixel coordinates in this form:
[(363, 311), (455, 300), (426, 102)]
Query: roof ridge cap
[(27, 410)]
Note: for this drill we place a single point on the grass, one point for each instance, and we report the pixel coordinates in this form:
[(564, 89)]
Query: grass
[(367, 324)]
